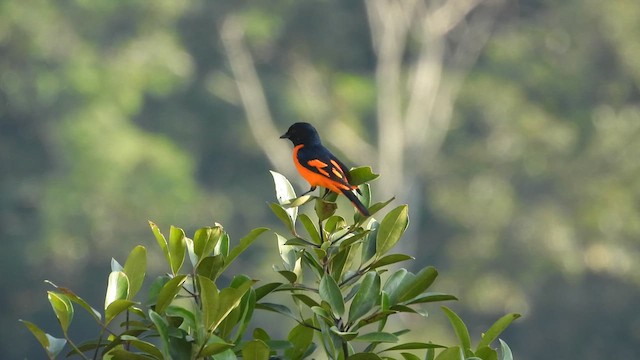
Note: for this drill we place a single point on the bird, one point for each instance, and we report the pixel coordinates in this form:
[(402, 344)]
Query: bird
[(319, 166)]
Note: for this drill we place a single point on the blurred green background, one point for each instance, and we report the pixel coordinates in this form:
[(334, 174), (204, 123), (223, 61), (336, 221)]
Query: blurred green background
[(511, 128)]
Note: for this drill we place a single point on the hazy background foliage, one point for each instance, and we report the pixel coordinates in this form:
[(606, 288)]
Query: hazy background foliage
[(116, 112)]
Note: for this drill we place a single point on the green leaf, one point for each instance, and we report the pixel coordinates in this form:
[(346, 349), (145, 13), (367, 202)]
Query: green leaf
[(486, 353), (379, 206), (301, 338), (299, 201), (366, 297), (177, 249), (391, 229), (431, 297), (215, 345), (505, 351), (53, 346), (421, 282), (377, 337), (325, 209), (344, 335), (285, 193), (284, 216), (305, 300), (277, 308), (266, 289), (409, 356), (162, 242), (117, 288), (255, 350), (217, 305), (452, 353), (496, 329), (205, 240), (459, 327), (369, 242), (169, 292), (242, 246), (361, 175), (163, 330), (147, 347), (394, 282), (211, 266), (63, 309), (135, 268), (414, 346), (390, 259), (330, 292), (78, 300), (364, 356), (310, 228), (287, 253), (116, 308), (188, 317)]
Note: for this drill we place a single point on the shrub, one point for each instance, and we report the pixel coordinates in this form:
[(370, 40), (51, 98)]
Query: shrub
[(338, 274)]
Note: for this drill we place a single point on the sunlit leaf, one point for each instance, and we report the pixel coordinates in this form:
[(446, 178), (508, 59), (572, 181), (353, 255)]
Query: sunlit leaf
[(255, 350), (485, 353), (210, 266), (63, 309), (162, 242), (177, 248), (135, 268), (205, 240), (287, 253), (452, 353), (283, 215), (364, 356), (78, 300), (496, 329), (116, 308), (117, 288), (391, 229), (169, 292), (505, 351), (147, 347), (459, 327), (285, 193)]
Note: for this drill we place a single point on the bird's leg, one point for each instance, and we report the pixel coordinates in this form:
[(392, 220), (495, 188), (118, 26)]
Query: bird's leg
[(326, 192), (310, 190)]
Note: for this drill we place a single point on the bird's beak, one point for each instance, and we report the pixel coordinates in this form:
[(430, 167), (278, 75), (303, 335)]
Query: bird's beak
[(284, 136)]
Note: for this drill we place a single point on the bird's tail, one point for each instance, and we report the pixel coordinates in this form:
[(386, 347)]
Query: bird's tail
[(356, 202)]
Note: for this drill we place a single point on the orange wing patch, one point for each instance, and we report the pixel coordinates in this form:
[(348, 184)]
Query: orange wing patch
[(319, 165), (336, 170)]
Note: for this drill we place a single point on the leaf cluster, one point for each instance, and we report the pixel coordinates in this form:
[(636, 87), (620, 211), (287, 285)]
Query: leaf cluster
[(341, 276)]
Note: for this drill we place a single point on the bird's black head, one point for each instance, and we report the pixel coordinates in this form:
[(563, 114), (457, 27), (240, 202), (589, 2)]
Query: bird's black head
[(302, 133)]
